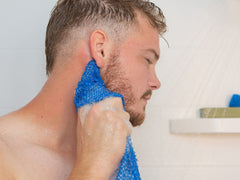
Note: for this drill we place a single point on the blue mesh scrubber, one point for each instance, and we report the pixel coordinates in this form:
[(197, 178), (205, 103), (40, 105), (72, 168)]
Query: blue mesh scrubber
[(91, 89), (235, 101)]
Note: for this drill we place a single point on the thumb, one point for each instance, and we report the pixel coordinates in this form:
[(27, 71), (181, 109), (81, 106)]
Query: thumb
[(112, 103), (82, 112)]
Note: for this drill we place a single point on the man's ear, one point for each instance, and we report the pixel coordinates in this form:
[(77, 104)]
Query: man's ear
[(99, 43)]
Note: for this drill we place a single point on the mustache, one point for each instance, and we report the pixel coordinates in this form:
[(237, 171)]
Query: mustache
[(147, 93)]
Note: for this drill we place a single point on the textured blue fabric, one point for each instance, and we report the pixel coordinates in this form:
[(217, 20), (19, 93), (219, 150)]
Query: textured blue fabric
[(91, 89), (235, 101)]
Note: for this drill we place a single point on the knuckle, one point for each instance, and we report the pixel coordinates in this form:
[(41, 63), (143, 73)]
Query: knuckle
[(120, 124), (95, 109), (117, 100), (109, 115), (126, 115), (118, 103)]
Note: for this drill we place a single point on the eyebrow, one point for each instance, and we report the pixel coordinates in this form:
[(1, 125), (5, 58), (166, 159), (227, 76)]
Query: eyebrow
[(157, 56)]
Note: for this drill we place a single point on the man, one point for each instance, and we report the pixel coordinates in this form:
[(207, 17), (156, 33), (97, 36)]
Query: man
[(47, 138)]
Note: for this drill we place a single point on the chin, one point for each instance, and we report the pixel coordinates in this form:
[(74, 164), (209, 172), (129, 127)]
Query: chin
[(136, 119)]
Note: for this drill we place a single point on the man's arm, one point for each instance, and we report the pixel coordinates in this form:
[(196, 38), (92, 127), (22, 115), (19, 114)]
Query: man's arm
[(101, 140)]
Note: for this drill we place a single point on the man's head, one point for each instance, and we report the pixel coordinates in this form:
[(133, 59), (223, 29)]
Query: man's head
[(131, 69), (115, 17), (123, 38)]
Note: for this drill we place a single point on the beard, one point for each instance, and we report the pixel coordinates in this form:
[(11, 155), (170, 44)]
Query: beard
[(115, 80)]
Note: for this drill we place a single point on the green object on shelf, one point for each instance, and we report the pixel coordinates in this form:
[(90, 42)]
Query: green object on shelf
[(220, 112)]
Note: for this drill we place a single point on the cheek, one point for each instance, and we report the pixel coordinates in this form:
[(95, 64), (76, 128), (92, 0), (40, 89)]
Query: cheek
[(138, 78), (136, 71), (140, 74)]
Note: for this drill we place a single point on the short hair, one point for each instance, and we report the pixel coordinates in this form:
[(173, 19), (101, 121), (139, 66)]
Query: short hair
[(87, 15)]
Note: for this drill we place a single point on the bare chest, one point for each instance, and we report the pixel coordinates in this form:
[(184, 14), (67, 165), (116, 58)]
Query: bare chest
[(36, 163)]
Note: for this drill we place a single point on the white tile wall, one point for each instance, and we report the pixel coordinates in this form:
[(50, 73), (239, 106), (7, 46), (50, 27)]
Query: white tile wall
[(22, 75), (22, 59), (201, 68)]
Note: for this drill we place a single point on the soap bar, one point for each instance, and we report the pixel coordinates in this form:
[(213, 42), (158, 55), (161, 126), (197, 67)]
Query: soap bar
[(220, 112)]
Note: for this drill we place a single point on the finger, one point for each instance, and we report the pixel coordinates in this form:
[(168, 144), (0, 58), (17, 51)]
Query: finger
[(115, 104), (123, 115), (82, 112), (130, 127), (112, 102)]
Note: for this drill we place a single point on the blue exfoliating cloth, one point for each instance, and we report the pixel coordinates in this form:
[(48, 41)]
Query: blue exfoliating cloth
[(235, 101), (91, 89)]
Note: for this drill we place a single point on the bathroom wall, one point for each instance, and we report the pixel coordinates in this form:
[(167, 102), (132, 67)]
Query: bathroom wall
[(22, 58), (199, 69)]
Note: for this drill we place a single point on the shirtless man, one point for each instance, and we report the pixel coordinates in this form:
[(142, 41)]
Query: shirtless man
[(45, 140)]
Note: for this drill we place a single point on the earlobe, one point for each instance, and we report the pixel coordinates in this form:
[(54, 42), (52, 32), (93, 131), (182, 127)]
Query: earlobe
[(98, 42)]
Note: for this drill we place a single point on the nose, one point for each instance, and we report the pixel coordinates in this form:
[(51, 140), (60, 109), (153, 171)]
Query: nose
[(154, 82)]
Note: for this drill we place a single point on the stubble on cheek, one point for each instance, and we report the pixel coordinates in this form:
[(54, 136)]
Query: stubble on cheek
[(115, 80)]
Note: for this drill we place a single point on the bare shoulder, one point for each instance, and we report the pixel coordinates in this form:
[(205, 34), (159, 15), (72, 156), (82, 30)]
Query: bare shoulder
[(10, 166), (6, 158), (6, 172), (23, 156)]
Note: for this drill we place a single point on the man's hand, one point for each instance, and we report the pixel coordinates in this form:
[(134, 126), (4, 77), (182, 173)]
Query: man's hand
[(101, 139)]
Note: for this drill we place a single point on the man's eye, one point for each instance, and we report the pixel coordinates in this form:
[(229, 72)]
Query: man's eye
[(148, 60)]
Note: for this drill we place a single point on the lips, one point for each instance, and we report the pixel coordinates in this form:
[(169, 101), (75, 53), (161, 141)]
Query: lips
[(147, 95)]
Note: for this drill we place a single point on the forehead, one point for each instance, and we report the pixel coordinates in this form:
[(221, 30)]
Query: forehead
[(144, 36)]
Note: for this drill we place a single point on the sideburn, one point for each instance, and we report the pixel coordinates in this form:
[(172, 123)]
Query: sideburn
[(114, 77), (115, 80)]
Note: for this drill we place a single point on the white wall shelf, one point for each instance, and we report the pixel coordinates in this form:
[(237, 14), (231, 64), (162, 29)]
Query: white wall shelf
[(204, 125)]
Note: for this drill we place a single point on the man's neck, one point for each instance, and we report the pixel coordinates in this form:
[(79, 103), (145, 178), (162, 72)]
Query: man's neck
[(53, 111)]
